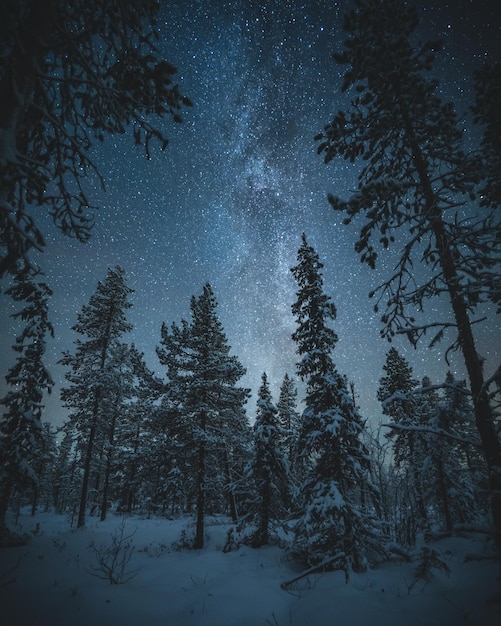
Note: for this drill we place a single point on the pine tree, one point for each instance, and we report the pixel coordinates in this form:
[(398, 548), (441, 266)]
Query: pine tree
[(64, 494), (93, 376), (202, 392), (418, 185), (20, 425), (335, 524), (268, 469)]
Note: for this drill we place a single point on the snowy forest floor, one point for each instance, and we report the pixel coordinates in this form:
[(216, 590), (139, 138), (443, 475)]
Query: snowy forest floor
[(47, 582)]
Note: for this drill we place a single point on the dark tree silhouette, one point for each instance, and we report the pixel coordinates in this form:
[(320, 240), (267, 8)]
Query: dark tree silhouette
[(71, 73), (20, 425), (203, 390), (416, 177), (268, 469), (336, 523), (488, 114), (94, 376)]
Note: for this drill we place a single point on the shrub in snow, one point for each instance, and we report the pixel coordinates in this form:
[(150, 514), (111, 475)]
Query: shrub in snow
[(113, 560)]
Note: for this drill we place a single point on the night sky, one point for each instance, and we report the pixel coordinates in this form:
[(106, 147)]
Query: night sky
[(228, 200)]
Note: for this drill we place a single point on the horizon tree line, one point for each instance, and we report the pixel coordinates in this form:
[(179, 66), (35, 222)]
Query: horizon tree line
[(184, 445)]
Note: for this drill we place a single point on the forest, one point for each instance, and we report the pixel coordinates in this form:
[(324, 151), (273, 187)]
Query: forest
[(304, 471)]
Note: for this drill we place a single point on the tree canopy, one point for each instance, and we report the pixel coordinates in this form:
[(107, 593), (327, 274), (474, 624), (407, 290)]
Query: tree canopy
[(72, 73)]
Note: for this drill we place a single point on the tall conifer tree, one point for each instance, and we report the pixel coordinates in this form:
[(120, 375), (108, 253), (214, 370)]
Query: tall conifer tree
[(203, 394), (268, 469), (419, 185), (336, 525), (20, 425), (93, 376)]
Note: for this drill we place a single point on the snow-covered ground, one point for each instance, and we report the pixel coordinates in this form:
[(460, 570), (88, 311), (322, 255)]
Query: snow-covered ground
[(47, 582)]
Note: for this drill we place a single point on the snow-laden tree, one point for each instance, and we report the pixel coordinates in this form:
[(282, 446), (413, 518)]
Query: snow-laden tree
[(45, 453), (336, 523), (418, 186), (71, 73), (288, 419), (268, 471), (20, 422), (455, 482), (136, 463), (434, 447), (395, 392), (203, 397), (94, 376)]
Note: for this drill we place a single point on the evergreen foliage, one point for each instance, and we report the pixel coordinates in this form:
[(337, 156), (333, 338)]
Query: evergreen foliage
[(417, 180), (207, 406), (434, 449), (288, 419), (95, 389), (20, 425), (337, 512), (71, 73), (268, 469)]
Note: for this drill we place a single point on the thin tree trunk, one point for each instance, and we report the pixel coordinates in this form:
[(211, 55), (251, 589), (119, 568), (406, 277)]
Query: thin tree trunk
[(93, 427), (232, 504), (5, 492), (109, 455), (88, 458), (199, 537)]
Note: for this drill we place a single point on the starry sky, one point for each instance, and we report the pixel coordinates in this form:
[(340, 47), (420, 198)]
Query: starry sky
[(228, 200)]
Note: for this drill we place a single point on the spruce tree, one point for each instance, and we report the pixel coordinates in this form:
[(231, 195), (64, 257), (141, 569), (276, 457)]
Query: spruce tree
[(335, 524), (20, 424), (93, 376), (268, 469), (137, 438)]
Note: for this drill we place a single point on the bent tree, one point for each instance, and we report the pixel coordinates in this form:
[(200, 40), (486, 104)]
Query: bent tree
[(417, 181)]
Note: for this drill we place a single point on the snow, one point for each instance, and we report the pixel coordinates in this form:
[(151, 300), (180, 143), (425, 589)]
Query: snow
[(51, 584)]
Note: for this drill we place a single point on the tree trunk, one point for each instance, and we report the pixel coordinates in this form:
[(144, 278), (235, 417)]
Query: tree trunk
[(88, 458), (5, 491), (444, 496), (109, 454), (199, 537), (232, 504), (93, 427), (483, 415)]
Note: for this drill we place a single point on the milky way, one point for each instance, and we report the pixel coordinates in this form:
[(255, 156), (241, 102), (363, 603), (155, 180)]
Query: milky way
[(240, 181)]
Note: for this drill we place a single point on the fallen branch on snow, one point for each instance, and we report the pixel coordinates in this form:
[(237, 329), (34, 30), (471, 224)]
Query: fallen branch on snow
[(312, 570)]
